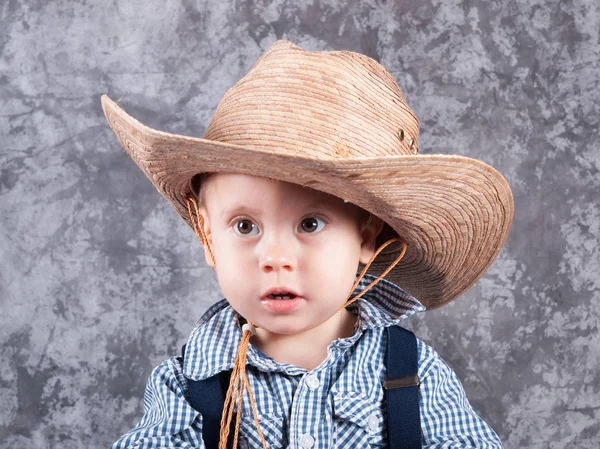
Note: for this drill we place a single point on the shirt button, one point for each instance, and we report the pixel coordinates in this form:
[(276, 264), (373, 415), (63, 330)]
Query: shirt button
[(312, 381), (373, 423), (307, 441)]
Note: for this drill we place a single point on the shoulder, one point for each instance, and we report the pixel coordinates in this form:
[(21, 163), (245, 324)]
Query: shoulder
[(212, 345), (167, 377), (433, 369), (429, 359)]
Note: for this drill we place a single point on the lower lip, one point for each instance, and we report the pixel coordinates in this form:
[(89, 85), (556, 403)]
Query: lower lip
[(282, 305)]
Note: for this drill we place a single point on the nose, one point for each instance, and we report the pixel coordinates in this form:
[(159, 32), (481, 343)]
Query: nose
[(277, 254)]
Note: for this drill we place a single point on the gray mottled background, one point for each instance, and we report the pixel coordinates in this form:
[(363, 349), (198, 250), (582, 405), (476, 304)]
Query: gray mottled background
[(100, 280)]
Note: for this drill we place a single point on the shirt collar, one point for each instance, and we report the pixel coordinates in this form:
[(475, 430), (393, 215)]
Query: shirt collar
[(212, 346)]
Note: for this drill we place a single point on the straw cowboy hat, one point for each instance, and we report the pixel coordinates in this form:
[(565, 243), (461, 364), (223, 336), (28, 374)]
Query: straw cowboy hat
[(336, 121)]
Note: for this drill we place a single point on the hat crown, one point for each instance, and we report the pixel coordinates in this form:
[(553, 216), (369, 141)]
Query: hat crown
[(322, 105)]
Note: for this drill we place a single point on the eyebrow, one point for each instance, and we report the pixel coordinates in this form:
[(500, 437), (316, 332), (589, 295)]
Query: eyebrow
[(318, 205), (236, 209), (242, 208)]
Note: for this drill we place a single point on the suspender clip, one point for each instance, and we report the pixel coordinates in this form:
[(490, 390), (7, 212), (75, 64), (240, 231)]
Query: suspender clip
[(412, 380)]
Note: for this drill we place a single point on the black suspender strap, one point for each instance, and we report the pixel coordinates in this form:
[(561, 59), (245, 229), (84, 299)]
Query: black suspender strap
[(207, 396), (402, 389)]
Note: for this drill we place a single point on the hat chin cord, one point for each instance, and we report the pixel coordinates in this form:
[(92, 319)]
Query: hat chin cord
[(239, 379)]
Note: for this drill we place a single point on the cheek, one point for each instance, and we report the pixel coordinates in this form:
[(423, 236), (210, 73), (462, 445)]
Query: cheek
[(234, 266), (228, 249), (337, 262)]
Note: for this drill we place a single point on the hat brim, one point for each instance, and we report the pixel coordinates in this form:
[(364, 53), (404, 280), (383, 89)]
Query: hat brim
[(454, 212)]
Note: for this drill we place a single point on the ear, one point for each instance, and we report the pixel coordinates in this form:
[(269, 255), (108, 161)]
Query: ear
[(370, 229), (204, 222)]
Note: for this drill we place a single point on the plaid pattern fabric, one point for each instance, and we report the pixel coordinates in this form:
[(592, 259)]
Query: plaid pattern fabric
[(339, 404)]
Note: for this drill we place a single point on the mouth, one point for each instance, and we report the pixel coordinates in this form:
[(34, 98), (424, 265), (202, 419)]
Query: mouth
[(280, 293), (282, 300)]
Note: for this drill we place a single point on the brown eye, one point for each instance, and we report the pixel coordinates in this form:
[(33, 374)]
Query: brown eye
[(311, 225), (246, 227)]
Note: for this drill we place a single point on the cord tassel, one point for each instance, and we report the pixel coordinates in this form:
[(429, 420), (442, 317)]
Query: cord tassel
[(235, 393)]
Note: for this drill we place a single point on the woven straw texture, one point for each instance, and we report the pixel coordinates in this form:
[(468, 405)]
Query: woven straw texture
[(337, 122)]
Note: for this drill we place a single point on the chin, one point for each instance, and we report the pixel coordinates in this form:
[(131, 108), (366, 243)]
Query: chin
[(285, 328)]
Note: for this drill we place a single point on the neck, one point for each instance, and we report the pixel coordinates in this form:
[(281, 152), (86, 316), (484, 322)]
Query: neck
[(305, 349)]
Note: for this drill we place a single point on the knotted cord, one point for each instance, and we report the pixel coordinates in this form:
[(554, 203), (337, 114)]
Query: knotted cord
[(381, 276)]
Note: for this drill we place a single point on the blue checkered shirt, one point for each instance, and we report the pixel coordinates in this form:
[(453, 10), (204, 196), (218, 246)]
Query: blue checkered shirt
[(339, 404)]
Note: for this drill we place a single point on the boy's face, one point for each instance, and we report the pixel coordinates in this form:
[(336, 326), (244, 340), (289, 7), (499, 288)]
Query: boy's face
[(268, 234)]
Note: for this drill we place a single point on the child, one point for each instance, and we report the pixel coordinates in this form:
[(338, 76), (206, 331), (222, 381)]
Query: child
[(308, 169)]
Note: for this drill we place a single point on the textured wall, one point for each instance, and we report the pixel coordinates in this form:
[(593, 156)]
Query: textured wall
[(100, 280)]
